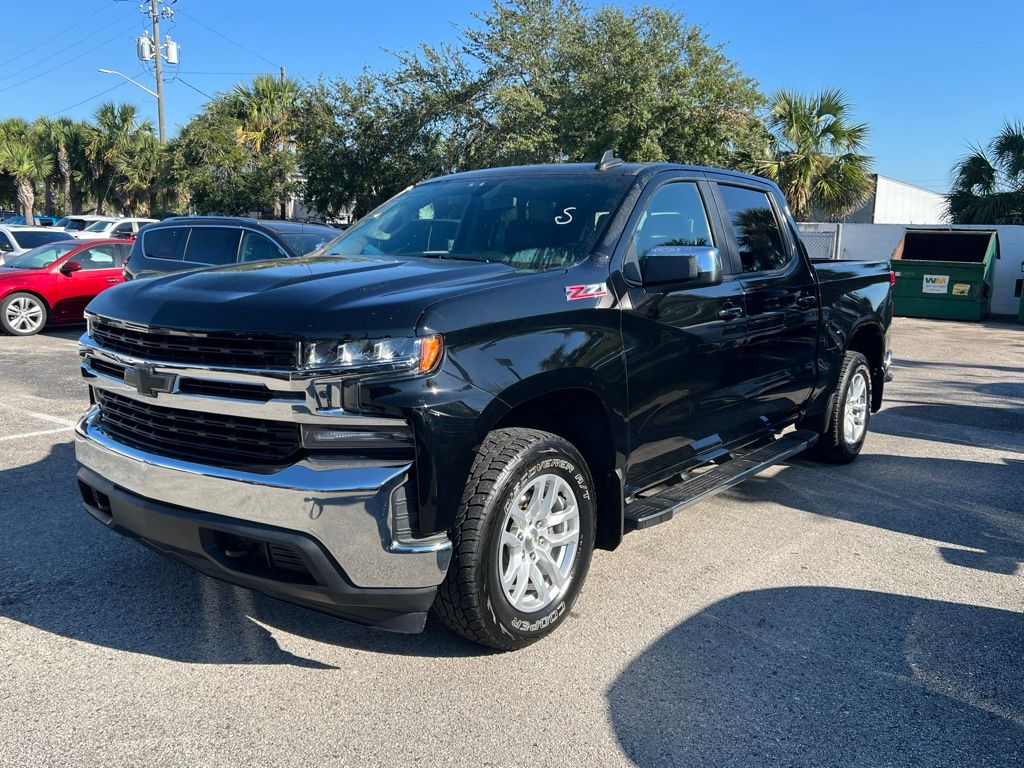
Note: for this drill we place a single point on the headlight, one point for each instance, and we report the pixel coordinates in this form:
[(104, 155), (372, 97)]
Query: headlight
[(420, 354)]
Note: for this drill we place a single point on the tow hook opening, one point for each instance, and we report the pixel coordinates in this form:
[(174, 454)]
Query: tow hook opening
[(267, 559)]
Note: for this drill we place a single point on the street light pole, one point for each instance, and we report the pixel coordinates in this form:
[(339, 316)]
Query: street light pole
[(154, 12), (130, 80)]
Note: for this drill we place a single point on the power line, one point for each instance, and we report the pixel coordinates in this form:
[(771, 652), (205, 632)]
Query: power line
[(94, 96), (221, 34), (183, 81), (64, 63), (102, 29), (67, 30), (195, 72)]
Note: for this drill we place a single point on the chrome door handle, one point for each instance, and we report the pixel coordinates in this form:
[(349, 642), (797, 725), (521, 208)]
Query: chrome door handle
[(112, 280), (730, 313)]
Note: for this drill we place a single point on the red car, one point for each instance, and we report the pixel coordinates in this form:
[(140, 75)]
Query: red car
[(54, 282)]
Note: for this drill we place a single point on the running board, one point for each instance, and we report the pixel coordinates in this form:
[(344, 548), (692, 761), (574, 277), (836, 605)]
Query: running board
[(651, 510)]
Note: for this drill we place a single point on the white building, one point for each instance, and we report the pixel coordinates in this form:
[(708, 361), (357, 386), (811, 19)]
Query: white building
[(896, 202)]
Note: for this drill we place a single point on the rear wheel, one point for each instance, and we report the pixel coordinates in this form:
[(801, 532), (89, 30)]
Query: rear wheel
[(841, 443), (22, 314), (523, 540)]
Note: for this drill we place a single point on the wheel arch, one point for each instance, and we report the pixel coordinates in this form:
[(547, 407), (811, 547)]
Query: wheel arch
[(869, 340), (580, 415)]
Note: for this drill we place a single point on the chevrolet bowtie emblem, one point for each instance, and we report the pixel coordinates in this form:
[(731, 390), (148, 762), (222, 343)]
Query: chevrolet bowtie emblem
[(147, 381)]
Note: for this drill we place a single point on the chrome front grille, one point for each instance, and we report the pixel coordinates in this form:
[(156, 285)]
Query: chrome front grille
[(199, 437), (206, 349)]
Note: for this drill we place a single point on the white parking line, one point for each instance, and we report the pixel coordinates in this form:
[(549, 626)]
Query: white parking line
[(35, 434), (66, 423)]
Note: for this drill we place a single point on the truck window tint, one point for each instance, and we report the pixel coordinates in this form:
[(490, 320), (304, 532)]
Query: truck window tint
[(165, 243), (97, 257), (758, 236), (527, 221), (212, 245), (256, 247), (675, 215)]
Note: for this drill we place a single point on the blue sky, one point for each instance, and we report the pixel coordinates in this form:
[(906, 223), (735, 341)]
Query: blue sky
[(929, 77)]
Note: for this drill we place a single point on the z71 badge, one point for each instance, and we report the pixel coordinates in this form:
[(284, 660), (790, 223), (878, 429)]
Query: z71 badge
[(593, 291)]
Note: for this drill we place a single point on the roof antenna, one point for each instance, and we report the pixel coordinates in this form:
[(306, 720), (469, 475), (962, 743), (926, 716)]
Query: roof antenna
[(608, 160)]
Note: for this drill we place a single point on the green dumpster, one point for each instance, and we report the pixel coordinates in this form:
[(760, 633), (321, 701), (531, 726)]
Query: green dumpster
[(945, 273)]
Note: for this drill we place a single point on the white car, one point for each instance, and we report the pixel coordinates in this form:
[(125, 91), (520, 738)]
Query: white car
[(78, 221), (14, 241), (111, 227)]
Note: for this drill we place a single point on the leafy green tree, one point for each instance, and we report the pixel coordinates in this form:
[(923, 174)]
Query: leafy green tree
[(814, 153), (54, 138), (988, 184), (534, 81), (216, 173), (361, 142)]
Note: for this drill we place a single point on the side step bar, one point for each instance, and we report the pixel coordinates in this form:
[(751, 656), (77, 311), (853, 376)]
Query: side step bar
[(651, 510)]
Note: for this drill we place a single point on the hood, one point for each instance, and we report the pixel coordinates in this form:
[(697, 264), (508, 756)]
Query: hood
[(19, 274), (311, 298)]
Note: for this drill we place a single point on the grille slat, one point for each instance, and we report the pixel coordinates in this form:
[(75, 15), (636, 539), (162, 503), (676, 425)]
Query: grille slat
[(222, 440), (235, 351)]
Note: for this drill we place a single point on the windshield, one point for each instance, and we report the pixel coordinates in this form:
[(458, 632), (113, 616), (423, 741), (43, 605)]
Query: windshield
[(100, 226), (526, 221), (305, 242), (40, 258), (12, 220), (30, 239)]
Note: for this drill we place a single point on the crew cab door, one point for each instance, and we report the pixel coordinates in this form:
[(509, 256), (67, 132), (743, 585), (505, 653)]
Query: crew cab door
[(681, 342), (780, 300)]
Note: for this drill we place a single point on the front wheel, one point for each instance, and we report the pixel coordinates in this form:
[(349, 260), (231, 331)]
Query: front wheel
[(841, 443), (523, 540), (22, 314)]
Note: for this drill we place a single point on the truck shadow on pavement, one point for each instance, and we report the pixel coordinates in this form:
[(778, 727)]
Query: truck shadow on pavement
[(973, 507), (61, 572), (814, 676), (981, 426)]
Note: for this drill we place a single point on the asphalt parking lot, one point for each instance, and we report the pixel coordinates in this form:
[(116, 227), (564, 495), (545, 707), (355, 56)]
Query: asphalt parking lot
[(868, 615)]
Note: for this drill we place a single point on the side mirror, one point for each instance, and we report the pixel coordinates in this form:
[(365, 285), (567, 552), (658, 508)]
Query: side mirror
[(690, 265), (70, 267)]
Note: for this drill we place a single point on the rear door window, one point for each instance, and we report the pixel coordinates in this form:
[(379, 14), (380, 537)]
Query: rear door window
[(166, 243), (758, 235), (123, 230), (257, 247), (212, 245)]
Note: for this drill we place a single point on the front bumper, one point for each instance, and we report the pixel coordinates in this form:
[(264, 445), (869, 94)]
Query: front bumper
[(337, 522)]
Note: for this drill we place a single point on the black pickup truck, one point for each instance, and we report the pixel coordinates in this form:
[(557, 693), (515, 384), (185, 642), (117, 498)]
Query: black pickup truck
[(457, 400)]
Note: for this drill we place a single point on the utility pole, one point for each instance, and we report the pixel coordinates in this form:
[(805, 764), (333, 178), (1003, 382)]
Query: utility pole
[(154, 14), (283, 78)]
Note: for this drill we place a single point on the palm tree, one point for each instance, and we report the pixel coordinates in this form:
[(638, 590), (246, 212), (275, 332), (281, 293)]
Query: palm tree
[(27, 163), (115, 132), (266, 112), (815, 153), (56, 137), (136, 172), (988, 184)]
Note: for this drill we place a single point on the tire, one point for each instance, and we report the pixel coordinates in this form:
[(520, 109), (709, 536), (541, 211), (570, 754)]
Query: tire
[(839, 443), (23, 314), (515, 470)]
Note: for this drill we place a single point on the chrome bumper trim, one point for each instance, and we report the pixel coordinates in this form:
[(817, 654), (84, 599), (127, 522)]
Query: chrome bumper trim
[(345, 508)]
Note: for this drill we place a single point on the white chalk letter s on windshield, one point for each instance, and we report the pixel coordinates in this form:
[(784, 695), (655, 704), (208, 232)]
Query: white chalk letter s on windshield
[(565, 216)]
